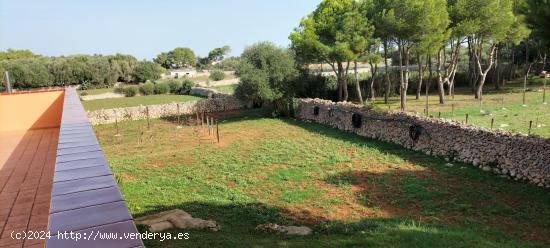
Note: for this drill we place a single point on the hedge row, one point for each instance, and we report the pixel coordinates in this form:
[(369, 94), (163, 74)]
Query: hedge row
[(94, 71)]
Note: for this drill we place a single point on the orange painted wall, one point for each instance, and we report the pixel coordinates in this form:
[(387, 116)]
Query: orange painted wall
[(33, 110)]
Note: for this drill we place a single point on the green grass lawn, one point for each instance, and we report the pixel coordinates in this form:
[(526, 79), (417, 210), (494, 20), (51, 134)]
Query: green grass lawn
[(353, 191), (505, 107), (514, 117), (227, 89), (135, 101), (96, 91)]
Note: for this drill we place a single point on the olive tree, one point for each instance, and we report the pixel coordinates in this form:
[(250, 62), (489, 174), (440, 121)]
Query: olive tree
[(147, 70), (177, 58), (266, 73)]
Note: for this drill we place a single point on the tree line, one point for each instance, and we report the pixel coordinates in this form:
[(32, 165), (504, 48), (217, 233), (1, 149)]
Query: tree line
[(184, 57), (439, 35), (28, 70)]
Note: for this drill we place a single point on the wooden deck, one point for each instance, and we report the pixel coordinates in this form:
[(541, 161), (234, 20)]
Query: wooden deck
[(54, 178), (27, 164)]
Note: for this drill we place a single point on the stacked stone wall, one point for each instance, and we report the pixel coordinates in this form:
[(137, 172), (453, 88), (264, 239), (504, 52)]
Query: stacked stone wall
[(521, 157), (217, 103)]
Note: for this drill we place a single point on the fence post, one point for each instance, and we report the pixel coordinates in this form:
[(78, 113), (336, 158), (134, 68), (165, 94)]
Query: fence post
[(212, 125), (116, 125), (492, 122), (217, 131), (208, 124), (466, 118), (178, 112), (530, 124), (197, 122), (148, 121), (439, 114)]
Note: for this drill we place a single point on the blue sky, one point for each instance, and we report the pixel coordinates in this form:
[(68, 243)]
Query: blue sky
[(145, 28)]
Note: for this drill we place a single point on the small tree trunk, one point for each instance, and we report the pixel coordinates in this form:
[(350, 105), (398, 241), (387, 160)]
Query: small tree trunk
[(373, 70), (420, 77), (428, 83), (386, 73), (345, 80), (495, 77), (441, 91), (340, 79), (512, 64), (483, 73), (471, 67), (402, 96), (406, 81), (357, 87), (544, 62), (479, 87), (440, 82), (525, 81), (451, 65)]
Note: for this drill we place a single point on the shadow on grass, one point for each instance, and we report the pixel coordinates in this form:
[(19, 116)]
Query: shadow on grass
[(463, 171), (238, 222), (480, 200)]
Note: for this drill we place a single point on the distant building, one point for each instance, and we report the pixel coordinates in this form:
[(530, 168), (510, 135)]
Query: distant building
[(179, 73)]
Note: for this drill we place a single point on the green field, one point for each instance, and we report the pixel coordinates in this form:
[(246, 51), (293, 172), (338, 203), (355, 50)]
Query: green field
[(136, 101), (95, 91), (227, 89), (505, 107), (353, 191)]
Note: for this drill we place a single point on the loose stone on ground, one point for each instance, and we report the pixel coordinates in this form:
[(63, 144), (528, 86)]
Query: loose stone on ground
[(175, 218)]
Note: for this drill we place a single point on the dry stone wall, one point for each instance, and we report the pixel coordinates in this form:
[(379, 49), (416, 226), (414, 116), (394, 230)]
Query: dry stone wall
[(205, 92), (521, 157), (217, 103)]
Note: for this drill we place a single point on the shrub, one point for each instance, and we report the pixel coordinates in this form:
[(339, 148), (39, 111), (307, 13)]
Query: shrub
[(86, 86), (217, 75), (175, 85), (26, 73), (84, 93), (147, 89), (119, 90), (161, 88), (101, 86), (131, 91), (266, 73), (228, 64), (186, 86), (147, 70)]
